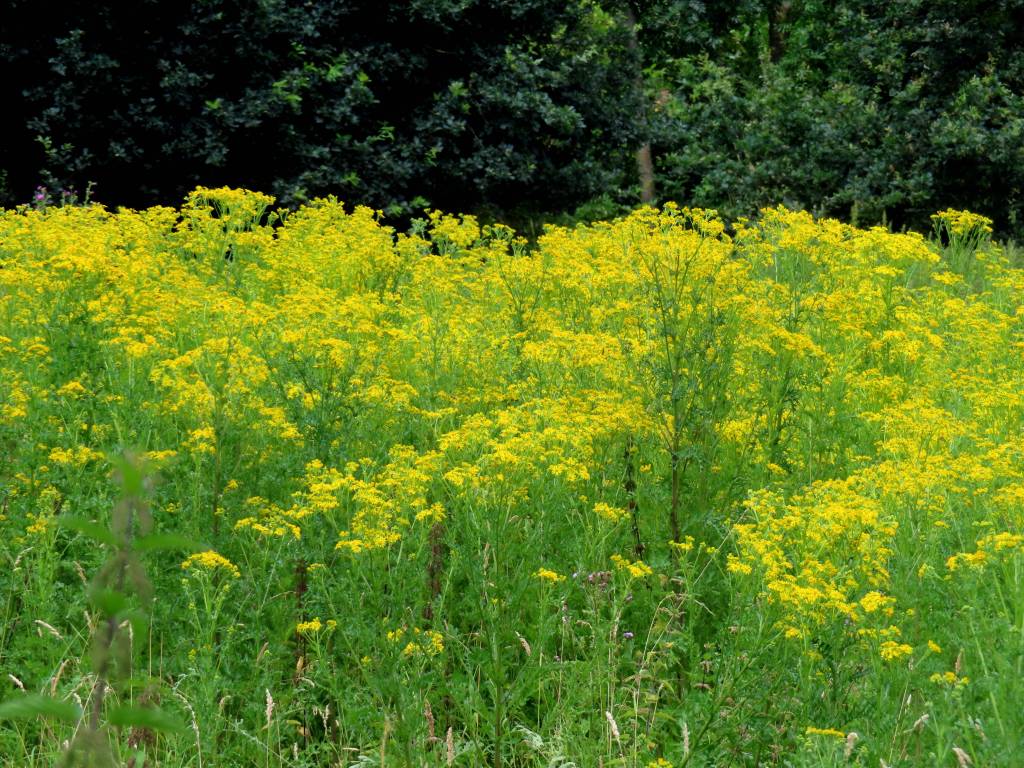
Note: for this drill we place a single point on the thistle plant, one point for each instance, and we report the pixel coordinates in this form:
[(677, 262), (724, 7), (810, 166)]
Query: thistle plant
[(120, 595)]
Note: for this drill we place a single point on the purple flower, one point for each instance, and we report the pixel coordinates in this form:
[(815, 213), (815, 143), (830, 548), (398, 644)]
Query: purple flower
[(628, 635)]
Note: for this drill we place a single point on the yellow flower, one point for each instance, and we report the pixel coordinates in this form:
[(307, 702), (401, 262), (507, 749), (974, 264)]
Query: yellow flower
[(314, 626), (73, 389), (159, 457), (609, 513), (202, 440), (421, 642), (309, 627), (683, 546), (949, 679), (963, 222), (433, 514), (546, 575), (812, 731), (874, 601), (40, 524), (637, 570), (735, 565), (893, 651), (78, 456), (210, 561)]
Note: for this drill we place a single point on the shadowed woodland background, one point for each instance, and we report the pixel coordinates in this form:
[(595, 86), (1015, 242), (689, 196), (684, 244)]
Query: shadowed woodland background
[(525, 110)]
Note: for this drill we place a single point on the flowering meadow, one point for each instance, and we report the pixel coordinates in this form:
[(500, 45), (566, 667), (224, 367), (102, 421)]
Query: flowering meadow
[(662, 491)]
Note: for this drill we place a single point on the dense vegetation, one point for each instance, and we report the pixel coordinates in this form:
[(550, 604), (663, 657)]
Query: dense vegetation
[(716, 480), (877, 111), (647, 494)]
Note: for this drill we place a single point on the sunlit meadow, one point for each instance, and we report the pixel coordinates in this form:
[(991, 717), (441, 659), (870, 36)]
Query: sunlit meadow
[(654, 492)]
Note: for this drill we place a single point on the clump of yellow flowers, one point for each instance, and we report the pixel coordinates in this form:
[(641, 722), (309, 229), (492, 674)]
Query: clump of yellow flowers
[(315, 626), (211, 562)]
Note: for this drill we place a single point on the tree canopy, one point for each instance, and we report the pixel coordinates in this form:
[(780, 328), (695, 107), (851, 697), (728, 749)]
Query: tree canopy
[(875, 111)]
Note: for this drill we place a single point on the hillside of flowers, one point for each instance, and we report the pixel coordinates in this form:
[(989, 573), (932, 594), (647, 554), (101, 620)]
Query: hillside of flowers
[(664, 491)]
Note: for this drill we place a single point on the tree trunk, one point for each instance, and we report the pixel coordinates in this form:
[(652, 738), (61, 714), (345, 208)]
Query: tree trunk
[(778, 13), (644, 160), (645, 167)]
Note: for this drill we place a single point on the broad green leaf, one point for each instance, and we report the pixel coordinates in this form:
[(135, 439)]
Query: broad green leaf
[(161, 541), (145, 717), (90, 529), (33, 704), (131, 474), (110, 601)]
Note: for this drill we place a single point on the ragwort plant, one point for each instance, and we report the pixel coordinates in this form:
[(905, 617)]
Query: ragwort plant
[(647, 492)]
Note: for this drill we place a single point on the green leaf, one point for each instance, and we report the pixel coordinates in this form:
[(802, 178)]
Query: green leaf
[(89, 529), (109, 601), (140, 717), (139, 621), (161, 541), (33, 704), (131, 475)]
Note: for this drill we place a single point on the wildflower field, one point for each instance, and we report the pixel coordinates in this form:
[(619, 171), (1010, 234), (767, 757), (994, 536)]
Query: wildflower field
[(653, 492)]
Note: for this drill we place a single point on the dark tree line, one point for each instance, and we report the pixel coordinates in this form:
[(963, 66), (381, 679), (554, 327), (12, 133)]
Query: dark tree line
[(877, 111)]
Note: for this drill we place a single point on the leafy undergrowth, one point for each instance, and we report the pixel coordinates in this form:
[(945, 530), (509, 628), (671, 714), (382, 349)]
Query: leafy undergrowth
[(646, 494)]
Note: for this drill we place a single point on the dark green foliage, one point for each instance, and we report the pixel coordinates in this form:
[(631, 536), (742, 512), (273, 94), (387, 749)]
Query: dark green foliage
[(876, 111), (393, 104)]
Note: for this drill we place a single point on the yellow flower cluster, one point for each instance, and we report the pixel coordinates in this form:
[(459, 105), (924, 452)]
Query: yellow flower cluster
[(962, 222), (75, 457), (426, 642), (813, 731), (270, 520), (949, 679), (637, 569), (210, 561), (544, 574), (890, 650), (314, 626), (988, 549), (608, 512)]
